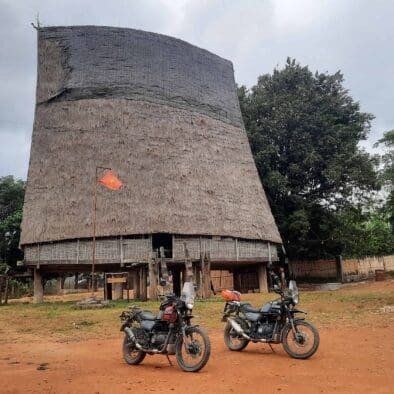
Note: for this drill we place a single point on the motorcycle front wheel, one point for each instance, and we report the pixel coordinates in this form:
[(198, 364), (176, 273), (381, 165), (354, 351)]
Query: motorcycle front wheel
[(131, 354), (304, 343), (233, 340), (193, 351)]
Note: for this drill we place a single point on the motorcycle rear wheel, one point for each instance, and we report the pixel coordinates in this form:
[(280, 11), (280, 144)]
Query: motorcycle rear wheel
[(131, 354), (232, 340), (193, 353), (302, 345)]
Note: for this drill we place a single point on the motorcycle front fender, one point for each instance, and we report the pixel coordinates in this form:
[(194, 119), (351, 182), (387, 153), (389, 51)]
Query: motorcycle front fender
[(188, 328)]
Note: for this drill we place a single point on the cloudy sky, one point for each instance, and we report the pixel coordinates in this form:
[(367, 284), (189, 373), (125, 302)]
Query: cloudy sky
[(354, 36)]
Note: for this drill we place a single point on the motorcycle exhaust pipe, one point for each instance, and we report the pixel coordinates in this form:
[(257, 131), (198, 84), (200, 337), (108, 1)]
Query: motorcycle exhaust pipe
[(239, 330), (131, 335)]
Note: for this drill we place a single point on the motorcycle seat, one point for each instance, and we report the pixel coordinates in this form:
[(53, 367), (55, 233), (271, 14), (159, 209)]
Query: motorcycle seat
[(147, 315), (249, 308)]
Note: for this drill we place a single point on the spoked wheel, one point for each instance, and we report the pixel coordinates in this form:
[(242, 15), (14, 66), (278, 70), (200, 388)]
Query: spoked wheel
[(193, 351), (233, 340), (131, 354), (304, 343)]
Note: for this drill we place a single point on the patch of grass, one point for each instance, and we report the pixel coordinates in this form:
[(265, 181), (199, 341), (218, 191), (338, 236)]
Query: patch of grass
[(353, 307)]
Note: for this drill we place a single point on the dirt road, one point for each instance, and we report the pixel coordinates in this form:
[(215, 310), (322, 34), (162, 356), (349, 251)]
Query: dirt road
[(359, 360)]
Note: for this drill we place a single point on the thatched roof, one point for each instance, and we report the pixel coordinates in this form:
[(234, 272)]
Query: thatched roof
[(163, 115)]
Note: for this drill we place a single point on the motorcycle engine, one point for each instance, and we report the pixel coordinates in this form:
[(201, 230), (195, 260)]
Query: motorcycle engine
[(265, 330), (158, 338), (141, 336)]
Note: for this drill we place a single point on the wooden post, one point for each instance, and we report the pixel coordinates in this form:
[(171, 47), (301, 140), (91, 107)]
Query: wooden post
[(206, 276), (38, 287), (59, 285), (136, 283), (197, 277), (105, 287), (76, 277), (200, 278), (143, 287), (152, 278), (339, 268), (262, 275), (188, 266)]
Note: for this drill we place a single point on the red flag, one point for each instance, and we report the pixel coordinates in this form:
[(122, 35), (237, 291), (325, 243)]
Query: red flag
[(111, 181)]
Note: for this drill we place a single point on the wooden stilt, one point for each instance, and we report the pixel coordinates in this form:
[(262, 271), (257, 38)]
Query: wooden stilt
[(38, 287), (152, 278), (188, 266), (143, 287), (136, 283), (262, 276), (206, 275)]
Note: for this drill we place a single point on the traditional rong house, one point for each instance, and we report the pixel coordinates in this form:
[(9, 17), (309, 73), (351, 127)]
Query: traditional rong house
[(164, 116)]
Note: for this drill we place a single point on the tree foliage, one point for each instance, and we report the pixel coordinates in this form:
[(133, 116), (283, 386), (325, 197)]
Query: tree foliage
[(387, 173), (304, 130), (11, 204)]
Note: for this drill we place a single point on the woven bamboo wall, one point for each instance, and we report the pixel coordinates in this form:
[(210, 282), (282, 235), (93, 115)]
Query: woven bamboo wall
[(368, 265), (352, 269), (80, 251), (128, 250), (313, 269), (224, 248)]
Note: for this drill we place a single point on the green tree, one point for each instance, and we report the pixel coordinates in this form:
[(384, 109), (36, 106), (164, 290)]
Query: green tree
[(364, 233), (11, 204), (304, 130), (387, 173)]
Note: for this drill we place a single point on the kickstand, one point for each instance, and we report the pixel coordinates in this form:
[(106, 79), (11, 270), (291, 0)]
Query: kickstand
[(169, 361), (273, 351)]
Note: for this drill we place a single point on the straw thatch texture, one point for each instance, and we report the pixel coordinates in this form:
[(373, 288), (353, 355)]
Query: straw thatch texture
[(180, 151), (83, 62), (183, 173)]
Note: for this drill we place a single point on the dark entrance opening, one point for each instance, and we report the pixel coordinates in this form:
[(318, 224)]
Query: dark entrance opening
[(162, 240)]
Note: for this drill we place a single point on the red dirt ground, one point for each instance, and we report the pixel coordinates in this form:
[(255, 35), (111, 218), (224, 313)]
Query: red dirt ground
[(349, 360)]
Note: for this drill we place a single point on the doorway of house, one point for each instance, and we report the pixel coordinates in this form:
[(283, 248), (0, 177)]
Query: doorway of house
[(162, 240)]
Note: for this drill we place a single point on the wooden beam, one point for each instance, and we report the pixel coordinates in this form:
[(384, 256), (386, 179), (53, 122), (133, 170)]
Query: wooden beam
[(117, 280)]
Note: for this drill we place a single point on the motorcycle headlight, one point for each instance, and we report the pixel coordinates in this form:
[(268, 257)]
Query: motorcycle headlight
[(190, 305), (295, 298)]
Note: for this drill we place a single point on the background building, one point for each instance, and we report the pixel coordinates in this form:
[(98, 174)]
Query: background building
[(164, 115)]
